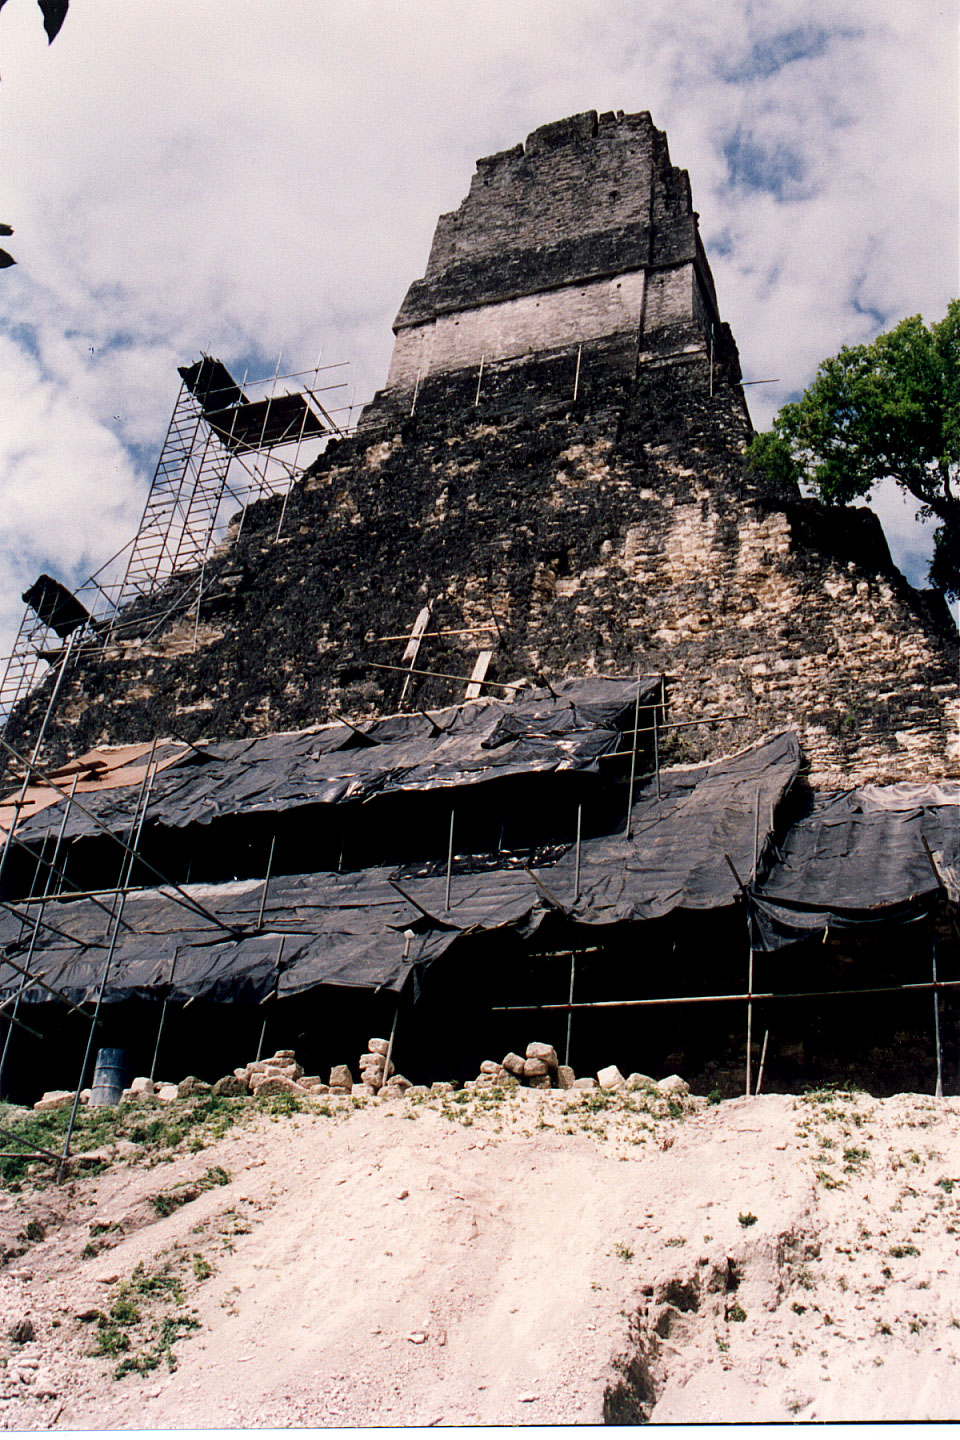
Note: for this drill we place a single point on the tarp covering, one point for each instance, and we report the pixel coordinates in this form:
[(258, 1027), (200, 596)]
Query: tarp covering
[(675, 858), (261, 424), (350, 929), (115, 767), (858, 858), (55, 605), (212, 384), (463, 745)]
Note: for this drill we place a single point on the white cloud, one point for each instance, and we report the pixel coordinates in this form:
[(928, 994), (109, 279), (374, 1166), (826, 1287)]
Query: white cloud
[(252, 177)]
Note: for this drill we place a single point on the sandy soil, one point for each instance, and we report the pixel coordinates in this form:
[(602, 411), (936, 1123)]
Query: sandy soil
[(533, 1260)]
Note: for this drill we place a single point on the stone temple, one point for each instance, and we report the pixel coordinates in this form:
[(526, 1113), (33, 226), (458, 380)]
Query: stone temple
[(403, 775), (557, 453)]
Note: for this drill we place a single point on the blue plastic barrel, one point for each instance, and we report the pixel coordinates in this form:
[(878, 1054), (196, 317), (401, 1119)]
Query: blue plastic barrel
[(110, 1078)]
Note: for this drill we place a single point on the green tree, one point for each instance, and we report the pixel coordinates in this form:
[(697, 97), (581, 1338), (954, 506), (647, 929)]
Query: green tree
[(887, 409)]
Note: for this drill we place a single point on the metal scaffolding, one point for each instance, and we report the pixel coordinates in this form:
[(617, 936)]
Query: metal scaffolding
[(222, 445)]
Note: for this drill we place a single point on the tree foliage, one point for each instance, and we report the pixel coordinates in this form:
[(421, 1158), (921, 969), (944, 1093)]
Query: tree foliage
[(887, 409), (54, 13)]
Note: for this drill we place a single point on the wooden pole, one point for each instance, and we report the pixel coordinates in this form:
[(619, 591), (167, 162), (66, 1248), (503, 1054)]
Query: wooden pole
[(576, 882), (763, 1057), (266, 882), (389, 1056)]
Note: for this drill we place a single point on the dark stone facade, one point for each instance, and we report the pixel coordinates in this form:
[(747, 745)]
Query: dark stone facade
[(587, 497)]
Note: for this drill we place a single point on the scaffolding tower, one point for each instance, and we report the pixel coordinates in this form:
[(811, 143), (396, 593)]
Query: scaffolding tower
[(215, 428), (213, 424)]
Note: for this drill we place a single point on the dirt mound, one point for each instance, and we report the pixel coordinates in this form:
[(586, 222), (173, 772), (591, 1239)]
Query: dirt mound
[(495, 1257)]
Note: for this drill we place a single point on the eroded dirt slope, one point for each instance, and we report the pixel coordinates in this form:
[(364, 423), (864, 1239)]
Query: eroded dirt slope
[(469, 1260)]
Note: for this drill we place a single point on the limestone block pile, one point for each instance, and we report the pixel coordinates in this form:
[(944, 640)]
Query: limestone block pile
[(377, 1076), (280, 1075), (537, 1069)]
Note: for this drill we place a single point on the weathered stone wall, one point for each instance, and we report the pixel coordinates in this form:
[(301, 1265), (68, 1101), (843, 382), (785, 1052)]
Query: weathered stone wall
[(551, 247), (615, 536)]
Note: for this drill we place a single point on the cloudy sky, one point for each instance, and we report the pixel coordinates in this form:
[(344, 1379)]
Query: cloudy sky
[(250, 177)]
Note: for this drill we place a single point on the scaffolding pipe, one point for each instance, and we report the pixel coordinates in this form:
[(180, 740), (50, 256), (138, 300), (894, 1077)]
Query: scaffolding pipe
[(936, 1023), (272, 996), (446, 902), (633, 765), (266, 883), (913, 987), (444, 675), (30, 765), (125, 871), (163, 1016), (566, 1053)]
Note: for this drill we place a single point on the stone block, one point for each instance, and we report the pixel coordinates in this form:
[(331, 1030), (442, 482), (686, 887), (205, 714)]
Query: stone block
[(85, 1097), (442, 1087), (362, 1090), (490, 1067), (289, 1070), (513, 1063), (586, 1082), (168, 1092), (609, 1078), (372, 1061), (54, 1100), (379, 1047), (193, 1085), (534, 1069), (230, 1085), (266, 1085), (369, 1076), (673, 1085), (142, 1085), (636, 1081), (340, 1089), (537, 1050), (565, 1077), (539, 1082), (341, 1075), (242, 1072), (315, 1085), (283, 1057)]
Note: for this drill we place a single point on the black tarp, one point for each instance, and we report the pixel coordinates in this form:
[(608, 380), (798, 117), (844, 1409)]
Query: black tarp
[(858, 858), (55, 605), (352, 929), (212, 384), (463, 745), (261, 424), (675, 859)]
